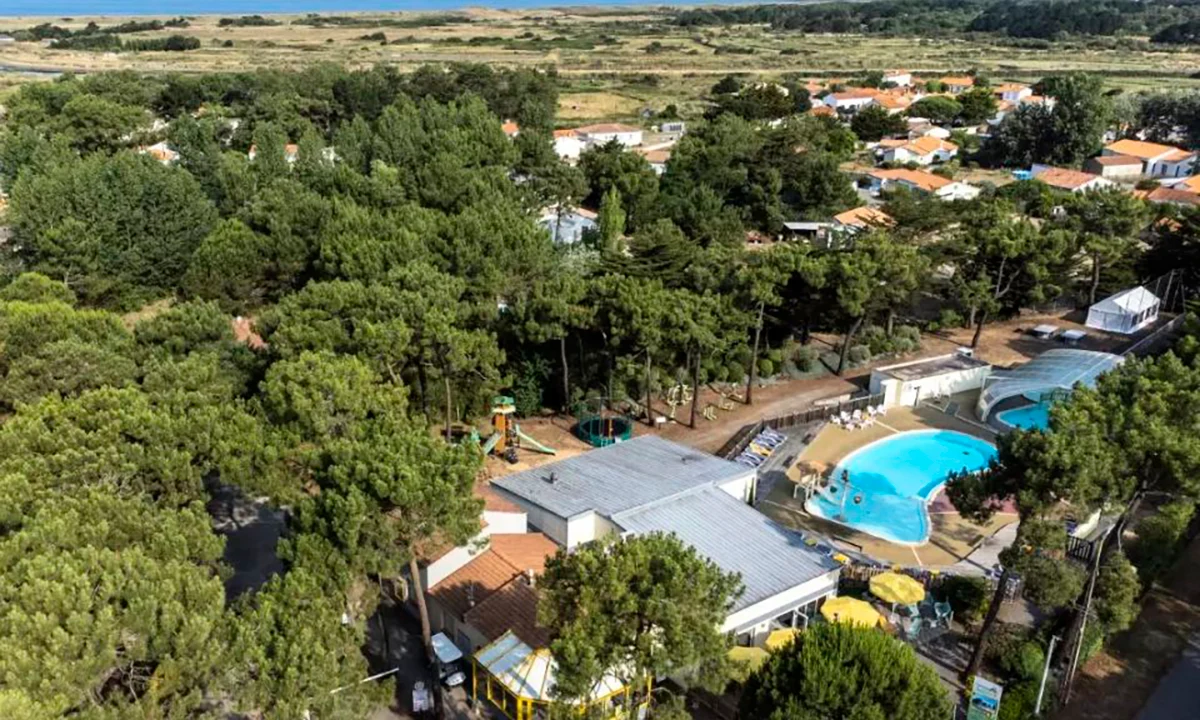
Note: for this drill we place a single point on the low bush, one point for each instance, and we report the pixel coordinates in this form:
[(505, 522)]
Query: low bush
[(860, 354), (806, 358), (735, 371), (968, 596), (766, 368)]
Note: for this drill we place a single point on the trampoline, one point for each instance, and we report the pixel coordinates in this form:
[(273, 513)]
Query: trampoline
[(600, 431)]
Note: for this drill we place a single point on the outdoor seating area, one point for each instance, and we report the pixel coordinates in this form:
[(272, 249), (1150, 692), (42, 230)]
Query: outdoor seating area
[(859, 419), (760, 448)]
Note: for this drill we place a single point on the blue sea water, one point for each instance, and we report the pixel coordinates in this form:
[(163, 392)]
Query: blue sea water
[(69, 8), (894, 479), (1027, 417)]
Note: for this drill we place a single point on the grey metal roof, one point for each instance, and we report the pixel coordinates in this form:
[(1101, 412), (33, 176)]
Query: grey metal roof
[(620, 477), (769, 557)]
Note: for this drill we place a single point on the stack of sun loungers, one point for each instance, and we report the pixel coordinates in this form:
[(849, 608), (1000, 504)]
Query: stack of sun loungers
[(760, 448), (858, 419)]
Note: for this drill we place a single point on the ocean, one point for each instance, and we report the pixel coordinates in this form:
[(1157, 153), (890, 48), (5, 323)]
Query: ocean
[(81, 8)]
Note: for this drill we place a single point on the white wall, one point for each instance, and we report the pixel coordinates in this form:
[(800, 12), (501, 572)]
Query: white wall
[(568, 147), (551, 525), (587, 527), (781, 603), (740, 487)]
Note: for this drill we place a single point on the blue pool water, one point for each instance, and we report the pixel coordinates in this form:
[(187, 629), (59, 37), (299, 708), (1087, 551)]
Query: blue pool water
[(1027, 417), (895, 477)]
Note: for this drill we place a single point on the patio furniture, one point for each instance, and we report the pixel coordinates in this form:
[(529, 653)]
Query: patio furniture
[(1072, 337), (843, 609), (1044, 332), (942, 612), (914, 610), (913, 629)]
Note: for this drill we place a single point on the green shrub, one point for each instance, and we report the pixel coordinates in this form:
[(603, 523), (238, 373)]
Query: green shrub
[(766, 368), (806, 358), (968, 596), (1158, 538), (1025, 663), (1020, 699), (910, 333), (736, 371), (949, 319), (860, 354), (775, 356)]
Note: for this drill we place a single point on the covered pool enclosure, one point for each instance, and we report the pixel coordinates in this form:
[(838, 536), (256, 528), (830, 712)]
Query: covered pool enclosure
[(518, 680), (1054, 370), (1126, 312)]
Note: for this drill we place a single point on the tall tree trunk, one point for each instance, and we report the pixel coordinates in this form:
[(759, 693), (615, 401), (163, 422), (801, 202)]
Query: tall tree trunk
[(414, 570), (891, 320), (449, 408), (753, 375), (562, 349), (971, 316), (983, 316), (649, 410), (1095, 278), (846, 345), (989, 622), (423, 384), (695, 389)]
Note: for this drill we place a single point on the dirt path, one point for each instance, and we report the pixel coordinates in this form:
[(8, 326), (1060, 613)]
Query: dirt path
[(1116, 683)]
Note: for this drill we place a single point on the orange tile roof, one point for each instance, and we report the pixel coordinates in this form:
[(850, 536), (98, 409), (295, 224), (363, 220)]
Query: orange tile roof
[(1139, 148), (923, 180), (966, 80), (820, 110), (1117, 160), (564, 133), (512, 607), (525, 551), (657, 156), (857, 93), (892, 142), (927, 144), (892, 102), (1173, 196), (1033, 100), (865, 216), (1064, 178), (510, 128), (1009, 87), (508, 556)]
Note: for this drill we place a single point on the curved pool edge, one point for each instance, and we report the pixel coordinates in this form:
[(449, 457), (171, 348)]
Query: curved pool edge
[(924, 500)]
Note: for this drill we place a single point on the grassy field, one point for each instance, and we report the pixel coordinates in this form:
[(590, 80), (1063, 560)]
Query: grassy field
[(613, 63)]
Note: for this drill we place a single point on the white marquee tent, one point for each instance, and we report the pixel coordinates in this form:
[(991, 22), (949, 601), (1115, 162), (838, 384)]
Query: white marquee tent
[(1126, 312)]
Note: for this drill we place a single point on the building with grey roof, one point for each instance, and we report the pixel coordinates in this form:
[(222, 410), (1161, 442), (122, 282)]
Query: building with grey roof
[(650, 485)]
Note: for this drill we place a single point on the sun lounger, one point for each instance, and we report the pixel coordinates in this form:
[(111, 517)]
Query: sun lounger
[(942, 612), (856, 415)]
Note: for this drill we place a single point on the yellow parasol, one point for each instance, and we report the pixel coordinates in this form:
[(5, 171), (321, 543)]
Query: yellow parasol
[(897, 589), (780, 638), (850, 610), (748, 659)]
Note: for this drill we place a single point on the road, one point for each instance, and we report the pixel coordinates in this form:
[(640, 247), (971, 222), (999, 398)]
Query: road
[(1177, 697)]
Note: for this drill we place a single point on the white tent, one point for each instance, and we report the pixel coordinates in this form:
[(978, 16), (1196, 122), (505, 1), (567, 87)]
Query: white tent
[(1126, 312)]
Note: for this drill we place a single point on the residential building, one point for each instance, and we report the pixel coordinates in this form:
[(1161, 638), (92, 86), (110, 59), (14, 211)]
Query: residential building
[(1012, 92), (1169, 196), (657, 158), (1115, 167), (511, 129), (893, 103), (566, 227), (649, 485), (161, 152), (899, 78), (1072, 181), (627, 135), (1158, 161), (925, 150), (862, 218), (851, 100), (567, 144), (678, 127), (922, 182), (955, 84)]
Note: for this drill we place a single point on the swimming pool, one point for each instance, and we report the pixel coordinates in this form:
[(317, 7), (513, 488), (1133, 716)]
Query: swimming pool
[(1027, 417), (895, 477)]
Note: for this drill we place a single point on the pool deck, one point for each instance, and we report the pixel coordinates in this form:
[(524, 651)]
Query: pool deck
[(952, 539)]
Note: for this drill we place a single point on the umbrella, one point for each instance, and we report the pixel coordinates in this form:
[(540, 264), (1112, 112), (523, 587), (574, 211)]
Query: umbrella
[(897, 589), (748, 659), (780, 638), (850, 610)]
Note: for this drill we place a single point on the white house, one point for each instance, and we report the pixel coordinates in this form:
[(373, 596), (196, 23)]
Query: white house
[(899, 78), (1126, 312), (911, 382), (956, 84), (566, 227), (648, 485), (657, 157), (851, 100), (567, 144), (922, 182), (1115, 167), (1012, 92), (1072, 181), (1158, 161), (627, 135), (925, 150)]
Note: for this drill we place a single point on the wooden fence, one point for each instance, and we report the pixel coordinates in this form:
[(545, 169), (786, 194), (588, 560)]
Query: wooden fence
[(741, 439)]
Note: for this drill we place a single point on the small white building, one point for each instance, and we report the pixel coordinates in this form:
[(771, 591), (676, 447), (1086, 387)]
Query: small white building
[(1115, 167), (921, 182), (604, 133), (566, 227), (1158, 161), (925, 150), (1012, 92), (851, 100), (1072, 181), (899, 78), (567, 144), (911, 382), (1126, 312), (648, 485)]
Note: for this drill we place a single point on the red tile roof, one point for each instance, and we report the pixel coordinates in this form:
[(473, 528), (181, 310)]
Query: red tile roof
[(1064, 178), (512, 607), (507, 557)]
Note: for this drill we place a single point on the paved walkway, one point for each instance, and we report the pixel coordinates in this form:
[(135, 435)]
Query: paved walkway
[(1178, 695)]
